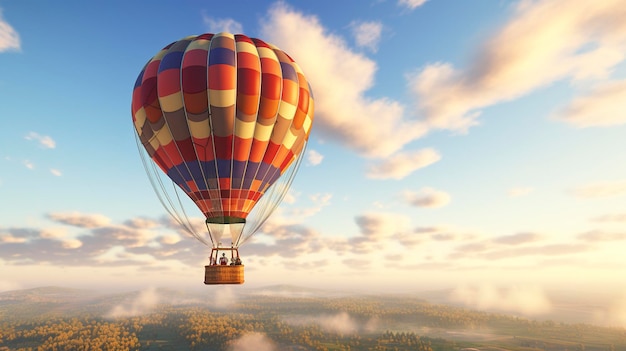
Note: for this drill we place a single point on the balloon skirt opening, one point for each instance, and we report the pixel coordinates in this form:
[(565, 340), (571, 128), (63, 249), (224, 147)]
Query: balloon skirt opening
[(217, 274)]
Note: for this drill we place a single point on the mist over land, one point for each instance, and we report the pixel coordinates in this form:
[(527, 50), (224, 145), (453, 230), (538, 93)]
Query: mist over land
[(295, 318)]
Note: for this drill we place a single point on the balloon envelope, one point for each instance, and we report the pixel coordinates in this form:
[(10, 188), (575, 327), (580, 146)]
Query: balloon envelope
[(223, 116)]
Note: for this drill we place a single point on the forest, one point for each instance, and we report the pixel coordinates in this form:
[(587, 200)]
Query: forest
[(66, 319)]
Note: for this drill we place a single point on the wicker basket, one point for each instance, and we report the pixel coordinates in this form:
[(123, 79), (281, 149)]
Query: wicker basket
[(223, 274)]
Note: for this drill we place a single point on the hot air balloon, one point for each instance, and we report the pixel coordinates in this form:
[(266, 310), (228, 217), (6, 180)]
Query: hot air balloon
[(226, 118)]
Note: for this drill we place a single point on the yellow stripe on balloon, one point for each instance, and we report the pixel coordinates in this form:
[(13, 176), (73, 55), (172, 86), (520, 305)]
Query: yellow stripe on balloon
[(199, 130), (140, 120), (287, 110), (290, 138), (198, 44), (244, 46), (244, 130), (222, 98), (163, 135), (154, 142), (172, 102), (263, 133), (266, 53), (307, 124)]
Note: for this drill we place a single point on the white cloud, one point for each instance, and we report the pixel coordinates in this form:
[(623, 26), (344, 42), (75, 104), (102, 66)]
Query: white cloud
[(545, 41), (28, 164), (600, 236), (224, 297), (518, 239), (402, 164), (142, 223), (170, 239), (600, 189), (144, 303), (252, 341), (338, 323), (603, 106), (71, 243), (10, 239), (614, 315), (78, 219), (216, 25), (615, 217), (367, 34), (527, 300), (411, 4), (56, 172), (341, 323), (321, 199), (538, 250), (520, 191), (296, 215), (43, 140), (53, 233), (9, 38), (377, 225), (292, 216), (290, 197), (427, 197), (313, 158), (339, 79)]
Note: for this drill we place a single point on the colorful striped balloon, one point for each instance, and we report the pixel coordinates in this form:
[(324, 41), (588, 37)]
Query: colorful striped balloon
[(223, 116)]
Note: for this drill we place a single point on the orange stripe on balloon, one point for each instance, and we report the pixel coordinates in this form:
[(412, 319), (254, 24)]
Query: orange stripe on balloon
[(196, 103), (268, 108), (222, 77), (290, 91), (247, 104), (248, 60), (257, 151), (242, 149)]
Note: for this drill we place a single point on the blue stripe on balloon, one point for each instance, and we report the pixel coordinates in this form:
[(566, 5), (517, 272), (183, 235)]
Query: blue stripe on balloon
[(198, 175), (263, 169), (251, 172), (140, 78), (223, 168), (289, 72), (222, 56), (178, 177), (209, 169), (239, 167), (185, 172), (171, 60)]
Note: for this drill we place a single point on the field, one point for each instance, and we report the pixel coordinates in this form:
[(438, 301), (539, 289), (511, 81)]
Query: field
[(286, 319)]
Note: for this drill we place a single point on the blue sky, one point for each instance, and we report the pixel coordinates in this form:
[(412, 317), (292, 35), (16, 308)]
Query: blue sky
[(456, 144)]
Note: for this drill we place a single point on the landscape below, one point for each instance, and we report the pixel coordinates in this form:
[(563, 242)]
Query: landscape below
[(274, 318)]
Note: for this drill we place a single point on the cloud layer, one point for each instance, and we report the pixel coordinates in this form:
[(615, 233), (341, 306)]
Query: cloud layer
[(43, 140), (222, 25), (367, 34), (403, 164), (518, 299), (252, 341), (9, 38), (88, 240), (600, 189), (579, 41), (341, 77), (427, 197), (603, 106)]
